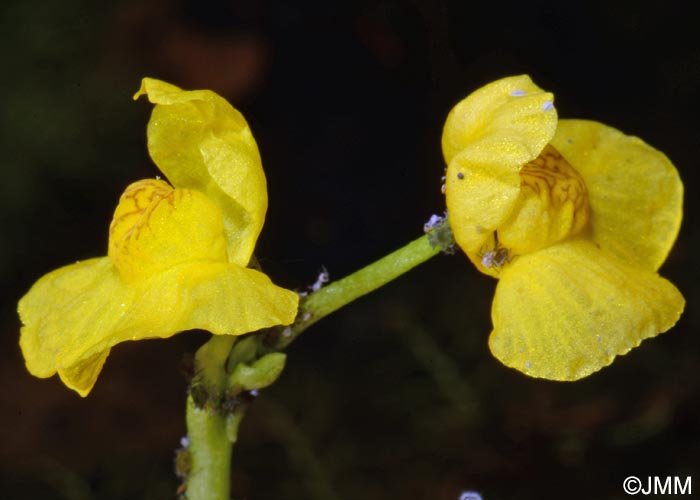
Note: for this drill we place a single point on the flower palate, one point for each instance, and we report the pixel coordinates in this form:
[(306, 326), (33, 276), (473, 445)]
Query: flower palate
[(573, 217), (176, 258)]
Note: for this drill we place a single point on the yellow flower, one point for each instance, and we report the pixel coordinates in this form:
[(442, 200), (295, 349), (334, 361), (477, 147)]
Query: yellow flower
[(176, 257), (573, 217)]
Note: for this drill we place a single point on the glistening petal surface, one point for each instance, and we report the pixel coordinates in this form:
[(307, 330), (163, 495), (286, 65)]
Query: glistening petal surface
[(200, 141), (74, 315), (566, 311), (487, 138), (68, 317), (512, 108), (635, 192), (481, 189), (156, 227)]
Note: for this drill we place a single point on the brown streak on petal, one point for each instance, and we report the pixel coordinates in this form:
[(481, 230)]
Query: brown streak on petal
[(557, 183)]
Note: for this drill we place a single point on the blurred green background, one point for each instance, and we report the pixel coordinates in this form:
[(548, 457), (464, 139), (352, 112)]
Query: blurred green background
[(397, 396)]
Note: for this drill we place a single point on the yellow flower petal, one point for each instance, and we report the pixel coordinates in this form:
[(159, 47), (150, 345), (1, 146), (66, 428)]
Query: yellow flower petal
[(74, 315), (553, 205), (513, 109), (487, 139), (199, 141), (218, 297), (566, 311), (229, 299), (481, 189), (635, 192), (68, 317), (156, 227), (81, 376)]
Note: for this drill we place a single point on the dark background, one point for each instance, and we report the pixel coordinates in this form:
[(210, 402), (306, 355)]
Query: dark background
[(397, 396)]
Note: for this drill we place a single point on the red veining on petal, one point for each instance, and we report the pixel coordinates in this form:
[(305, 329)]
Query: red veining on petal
[(557, 183), (132, 217)]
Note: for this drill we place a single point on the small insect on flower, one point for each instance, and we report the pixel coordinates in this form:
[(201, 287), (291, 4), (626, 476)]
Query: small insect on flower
[(497, 257)]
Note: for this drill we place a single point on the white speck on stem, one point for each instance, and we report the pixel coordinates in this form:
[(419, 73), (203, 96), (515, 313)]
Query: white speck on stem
[(518, 93), (548, 106)]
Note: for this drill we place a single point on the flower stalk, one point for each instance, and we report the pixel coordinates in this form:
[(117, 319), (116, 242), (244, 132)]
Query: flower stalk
[(212, 431), (210, 449), (332, 297)]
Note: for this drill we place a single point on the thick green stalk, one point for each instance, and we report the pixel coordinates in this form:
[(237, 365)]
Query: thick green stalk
[(210, 454)]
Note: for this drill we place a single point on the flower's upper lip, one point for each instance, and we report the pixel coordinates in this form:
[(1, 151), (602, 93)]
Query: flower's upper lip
[(486, 140), (634, 189), (214, 153)]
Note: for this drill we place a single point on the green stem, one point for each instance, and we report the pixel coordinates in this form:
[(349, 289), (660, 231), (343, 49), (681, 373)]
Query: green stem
[(210, 454), (212, 431), (339, 293)]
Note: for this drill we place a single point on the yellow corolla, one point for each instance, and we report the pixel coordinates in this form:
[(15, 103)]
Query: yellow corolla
[(176, 257), (573, 217)]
